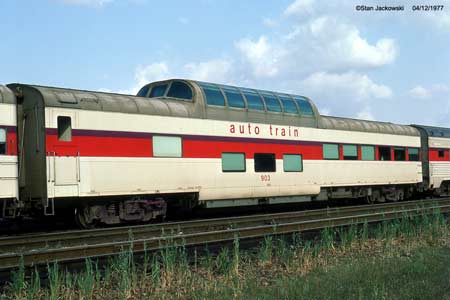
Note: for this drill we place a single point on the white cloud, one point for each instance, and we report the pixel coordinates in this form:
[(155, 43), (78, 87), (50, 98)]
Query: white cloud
[(419, 92), (299, 7), (263, 57), (216, 70), (153, 72), (349, 86), (87, 2)]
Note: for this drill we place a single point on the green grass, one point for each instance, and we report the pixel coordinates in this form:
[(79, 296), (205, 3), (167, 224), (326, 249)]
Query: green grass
[(403, 259)]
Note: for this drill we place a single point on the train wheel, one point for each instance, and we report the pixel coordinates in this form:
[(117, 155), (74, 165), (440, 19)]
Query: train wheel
[(82, 218)]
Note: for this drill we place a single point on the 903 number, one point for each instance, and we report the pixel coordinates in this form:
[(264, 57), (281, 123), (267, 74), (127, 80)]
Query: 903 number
[(265, 178)]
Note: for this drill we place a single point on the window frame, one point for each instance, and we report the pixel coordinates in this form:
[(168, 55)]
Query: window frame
[(250, 92), (390, 153), (61, 134), (329, 144), (301, 163), (409, 154), (157, 85), (374, 152), (166, 94), (272, 95), (167, 136), (234, 171), (224, 89), (204, 86), (288, 98), (265, 171), (353, 157), (400, 149), (5, 142)]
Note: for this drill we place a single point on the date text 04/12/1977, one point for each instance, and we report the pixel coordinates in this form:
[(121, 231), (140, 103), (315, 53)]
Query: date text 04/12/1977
[(399, 8)]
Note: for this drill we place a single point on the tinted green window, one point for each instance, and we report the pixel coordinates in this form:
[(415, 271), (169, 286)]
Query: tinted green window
[(292, 163), (350, 152), (254, 101), (303, 104), (2, 141), (399, 154), (367, 152), (288, 104), (234, 97), (167, 146), (158, 91), (180, 90), (272, 103), (233, 162), (213, 94), (330, 151), (143, 92), (413, 154)]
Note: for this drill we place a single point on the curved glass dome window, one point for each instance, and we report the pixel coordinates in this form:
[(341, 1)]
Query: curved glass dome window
[(233, 95), (254, 101), (288, 104), (213, 94), (303, 104), (143, 92), (158, 90), (272, 103), (180, 90)]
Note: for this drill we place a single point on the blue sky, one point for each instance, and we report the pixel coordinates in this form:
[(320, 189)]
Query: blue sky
[(390, 66)]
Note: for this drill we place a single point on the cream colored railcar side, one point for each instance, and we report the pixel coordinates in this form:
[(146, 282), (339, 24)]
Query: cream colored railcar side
[(106, 176), (8, 159)]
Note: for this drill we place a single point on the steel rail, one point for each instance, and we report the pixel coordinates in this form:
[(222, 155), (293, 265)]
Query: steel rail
[(80, 252), (96, 236)]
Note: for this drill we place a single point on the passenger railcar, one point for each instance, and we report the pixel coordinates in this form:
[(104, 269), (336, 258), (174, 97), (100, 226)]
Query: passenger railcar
[(117, 158), (8, 153), (436, 159)]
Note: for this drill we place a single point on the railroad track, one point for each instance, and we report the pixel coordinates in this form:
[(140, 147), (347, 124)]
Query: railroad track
[(73, 246)]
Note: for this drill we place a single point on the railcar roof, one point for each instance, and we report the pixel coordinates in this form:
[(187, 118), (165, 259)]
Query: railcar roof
[(6, 95), (166, 106), (433, 131), (338, 123)]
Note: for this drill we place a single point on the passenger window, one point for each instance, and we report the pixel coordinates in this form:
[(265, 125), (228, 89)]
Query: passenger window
[(288, 104), (292, 163), (143, 92), (384, 153), (234, 97), (180, 90), (265, 162), (158, 90), (213, 95), (367, 153), (233, 162), (441, 153), (64, 129), (399, 154), (2, 141), (303, 104), (167, 146), (254, 101), (413, 154), (350, 152), (272, 103), (330, 151)]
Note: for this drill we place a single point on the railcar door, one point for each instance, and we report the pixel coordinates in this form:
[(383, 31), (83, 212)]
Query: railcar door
[(63, 157)]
